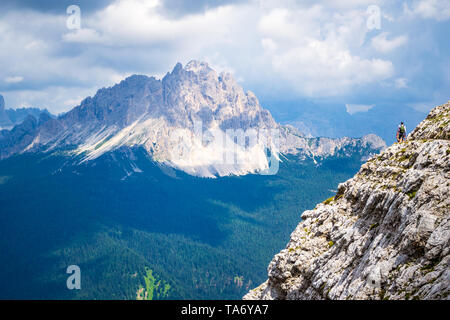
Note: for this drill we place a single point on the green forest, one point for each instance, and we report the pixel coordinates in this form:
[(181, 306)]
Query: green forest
[(155, 234)]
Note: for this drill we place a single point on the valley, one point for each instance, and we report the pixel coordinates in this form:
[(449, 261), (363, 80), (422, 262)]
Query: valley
[(195, 234)]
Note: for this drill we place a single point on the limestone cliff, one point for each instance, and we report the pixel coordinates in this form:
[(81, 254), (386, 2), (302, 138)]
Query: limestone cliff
[(193, 119), (385, 235)]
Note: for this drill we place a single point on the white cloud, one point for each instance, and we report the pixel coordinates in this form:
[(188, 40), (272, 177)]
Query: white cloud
[(429, 9), (54, 98), (355, 108), (34, 45), (422, 106), (384, 45), (401, 83), (314, 50), (128, 22), (311, 48), (426, 106), (13, 79), (84, 35), (34, 51)]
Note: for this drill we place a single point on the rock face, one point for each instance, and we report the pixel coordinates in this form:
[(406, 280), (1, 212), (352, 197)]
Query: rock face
[(4, 119), (385, 235), (11, 117), (193, 119)]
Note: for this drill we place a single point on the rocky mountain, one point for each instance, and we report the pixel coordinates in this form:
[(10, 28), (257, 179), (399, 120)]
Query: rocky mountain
[(11, 117), (4, 119), (384, 235), (193, 119)]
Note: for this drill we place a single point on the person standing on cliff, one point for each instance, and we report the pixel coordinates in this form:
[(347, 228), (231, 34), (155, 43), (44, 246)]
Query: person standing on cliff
[(401, 132)]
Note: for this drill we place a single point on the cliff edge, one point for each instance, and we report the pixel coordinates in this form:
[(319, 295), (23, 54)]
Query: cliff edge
[(384, 235)]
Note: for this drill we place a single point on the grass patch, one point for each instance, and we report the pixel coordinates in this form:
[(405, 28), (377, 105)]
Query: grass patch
[(412, 194), (373, 226), (322, 287), (294, 249), (430, 267), (404, 157), (154, 288)]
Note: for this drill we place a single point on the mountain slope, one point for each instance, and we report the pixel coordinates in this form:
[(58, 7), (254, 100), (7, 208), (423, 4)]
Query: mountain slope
[(121, 213), (193, 119), (384, 235)]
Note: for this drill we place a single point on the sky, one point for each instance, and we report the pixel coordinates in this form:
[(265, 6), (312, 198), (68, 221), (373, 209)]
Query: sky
[(354, 54)]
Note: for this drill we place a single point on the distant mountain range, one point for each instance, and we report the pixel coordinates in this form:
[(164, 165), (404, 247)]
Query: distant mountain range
[(192, 120), (332, 119), (11, 117)]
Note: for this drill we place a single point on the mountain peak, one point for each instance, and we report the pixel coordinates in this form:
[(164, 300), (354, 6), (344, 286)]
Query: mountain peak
[(197, 66), (135, 79), (144, 112), (194, 66), (374, 140), (177, 68)]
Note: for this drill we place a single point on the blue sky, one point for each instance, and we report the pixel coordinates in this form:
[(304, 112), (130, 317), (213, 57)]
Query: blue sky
[(324, 52)]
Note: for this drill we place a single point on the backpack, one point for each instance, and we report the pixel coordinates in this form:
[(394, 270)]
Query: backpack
[(402, 129)]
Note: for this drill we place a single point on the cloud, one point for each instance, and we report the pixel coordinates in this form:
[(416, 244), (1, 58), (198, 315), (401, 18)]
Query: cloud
[(401, 83), (34, 59), (53, 6), (355, 108), (179, 8), (382, 44), (56, 98), (313, 49), (52, 59), (424, 107), (14, 79), (429, 9), (84, 35)]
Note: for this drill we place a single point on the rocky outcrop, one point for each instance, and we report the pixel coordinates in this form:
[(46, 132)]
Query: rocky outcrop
[(17, 139), (384, 235)]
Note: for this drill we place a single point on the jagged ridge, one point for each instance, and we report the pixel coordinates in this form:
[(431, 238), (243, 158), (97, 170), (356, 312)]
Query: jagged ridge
[(149, 113)]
